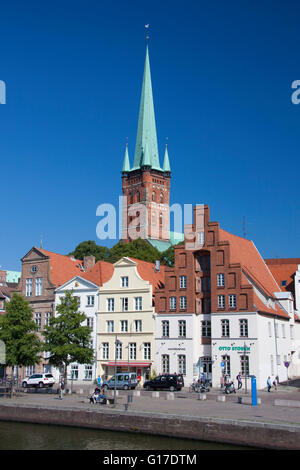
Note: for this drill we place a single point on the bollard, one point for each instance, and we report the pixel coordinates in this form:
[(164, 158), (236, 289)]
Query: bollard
[(137, 393), (129, 398), (155, 394), (202, 396), (221, 398), (170, 396)]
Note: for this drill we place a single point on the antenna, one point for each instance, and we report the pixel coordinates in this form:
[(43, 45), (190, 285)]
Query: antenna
[(244, 227), (41, 244), (147, 32)]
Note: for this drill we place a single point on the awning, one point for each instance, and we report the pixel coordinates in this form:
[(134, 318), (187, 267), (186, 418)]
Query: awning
[(131, 364)]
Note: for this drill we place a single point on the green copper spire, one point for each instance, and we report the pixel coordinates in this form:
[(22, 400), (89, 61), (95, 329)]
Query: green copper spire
[(166, 166), (126, 164), (146, 132), (145, 157)]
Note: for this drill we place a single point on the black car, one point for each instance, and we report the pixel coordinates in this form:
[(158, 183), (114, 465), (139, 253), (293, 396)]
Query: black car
[(170, 382)]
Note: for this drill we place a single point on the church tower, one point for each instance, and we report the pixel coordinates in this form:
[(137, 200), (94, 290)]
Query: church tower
[(146, 186)]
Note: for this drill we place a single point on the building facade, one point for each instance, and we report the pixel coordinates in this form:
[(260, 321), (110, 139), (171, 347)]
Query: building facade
[(126, 319)]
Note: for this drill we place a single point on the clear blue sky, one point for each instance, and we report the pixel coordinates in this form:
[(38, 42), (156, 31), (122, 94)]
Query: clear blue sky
[(221, 76)]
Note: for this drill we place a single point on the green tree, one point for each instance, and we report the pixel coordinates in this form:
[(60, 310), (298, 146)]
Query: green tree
[(66, 338), (168, 256), (138, 248), (88, 248), (19, 333)]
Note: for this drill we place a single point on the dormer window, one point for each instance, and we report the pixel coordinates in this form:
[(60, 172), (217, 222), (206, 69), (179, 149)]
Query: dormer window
[(283, 283)]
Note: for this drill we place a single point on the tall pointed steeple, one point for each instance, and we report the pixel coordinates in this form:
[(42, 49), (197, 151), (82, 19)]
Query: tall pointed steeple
[(166, 166), (146, 126), (126, 164)]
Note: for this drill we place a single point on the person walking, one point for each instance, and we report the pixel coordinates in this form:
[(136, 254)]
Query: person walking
[(239, 380), (269, 385), (275, 383)]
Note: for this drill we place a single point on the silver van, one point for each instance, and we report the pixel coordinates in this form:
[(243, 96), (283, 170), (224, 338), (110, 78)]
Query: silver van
[(124, 380)]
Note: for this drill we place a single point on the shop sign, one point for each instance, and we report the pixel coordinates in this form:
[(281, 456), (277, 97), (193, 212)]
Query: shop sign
[(234, 348)]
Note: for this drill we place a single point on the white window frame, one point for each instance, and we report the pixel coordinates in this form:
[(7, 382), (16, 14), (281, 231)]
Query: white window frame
[(221, 301), (182, 282), (173, 303), (124, 281), (110, 326), (38, 286), (110, 304), (138, 303), (220, 280)]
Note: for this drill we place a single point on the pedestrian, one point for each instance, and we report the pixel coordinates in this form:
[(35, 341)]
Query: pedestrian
[(269, 385), (61, 388), (239, 380), (275, 383), (99, 381)]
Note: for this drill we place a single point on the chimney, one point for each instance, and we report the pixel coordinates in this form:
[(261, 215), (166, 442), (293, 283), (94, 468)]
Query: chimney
[(88, 262)]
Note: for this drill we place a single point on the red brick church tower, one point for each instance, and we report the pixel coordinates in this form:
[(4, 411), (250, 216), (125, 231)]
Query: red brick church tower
[(146, 186)]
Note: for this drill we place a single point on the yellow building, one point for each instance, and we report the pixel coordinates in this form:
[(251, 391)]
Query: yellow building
[(126, 322)]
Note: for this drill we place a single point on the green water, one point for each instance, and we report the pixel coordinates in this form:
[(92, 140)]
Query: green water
[(20, 436)]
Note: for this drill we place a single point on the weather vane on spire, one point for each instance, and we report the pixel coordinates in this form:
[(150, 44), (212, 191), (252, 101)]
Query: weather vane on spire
[(147, 31)]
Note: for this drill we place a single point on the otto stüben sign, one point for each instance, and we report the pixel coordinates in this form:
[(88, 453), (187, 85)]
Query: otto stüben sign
[(234, 348)]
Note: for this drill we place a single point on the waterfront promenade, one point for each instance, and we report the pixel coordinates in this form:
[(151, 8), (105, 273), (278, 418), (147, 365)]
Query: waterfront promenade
[(180, 414)]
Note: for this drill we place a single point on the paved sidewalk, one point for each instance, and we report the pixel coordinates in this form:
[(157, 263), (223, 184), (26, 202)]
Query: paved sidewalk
[(185, 404)]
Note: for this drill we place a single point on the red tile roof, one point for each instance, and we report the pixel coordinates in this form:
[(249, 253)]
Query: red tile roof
[(244, 251), (62, 268), (284, 270), (101, 272), (261, 307), (147, 272)]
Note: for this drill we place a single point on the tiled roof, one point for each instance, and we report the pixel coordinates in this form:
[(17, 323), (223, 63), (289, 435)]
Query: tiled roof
[(244, 251), (62, 268), (147, 272), (101, 272), (284, 270), (261, 307)]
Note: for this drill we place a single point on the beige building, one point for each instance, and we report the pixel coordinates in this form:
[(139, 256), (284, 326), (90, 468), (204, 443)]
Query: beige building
[(126, 323)]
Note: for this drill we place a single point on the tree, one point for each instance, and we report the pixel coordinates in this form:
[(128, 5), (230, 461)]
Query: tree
[(66, 338), (88, 248), (19, 333), (168, 256), (138, 248)]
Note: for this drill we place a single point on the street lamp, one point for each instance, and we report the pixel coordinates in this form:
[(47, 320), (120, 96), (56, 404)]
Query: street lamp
[(117, 342)]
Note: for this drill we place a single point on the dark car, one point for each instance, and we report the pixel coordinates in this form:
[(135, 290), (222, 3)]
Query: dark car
[(170, 382)]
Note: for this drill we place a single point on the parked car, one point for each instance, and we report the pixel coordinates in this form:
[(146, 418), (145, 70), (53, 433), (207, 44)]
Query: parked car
[(170, 382), (39, 380), (125, 381)]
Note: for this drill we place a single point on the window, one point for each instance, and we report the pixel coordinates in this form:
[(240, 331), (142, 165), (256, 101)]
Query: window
[(161, 198), (172, 303), (276, 331), (124, 281), (221, 301), (38, 286), (90, 323), (232, 301), (34, 269), (183, 303), (278, 359), (90, 300), (38, 320), (88, 372), (182, 282), (244, 328), (206, 328), (165, 362), (182, 364), (109, 326), (283, 283), (182, 328), (124, 304), (110, 305), (270, 329), (283, 330), (292, 331), (245, 365), (221, 280), (74, 372), (226, 368), (28, 287), (225, 328), (48, 315), (165, 328), (105, 350), (132, 350), (124, 326), (138, 326), (201, 238), (147, 351), (138, 303), (119, 350)]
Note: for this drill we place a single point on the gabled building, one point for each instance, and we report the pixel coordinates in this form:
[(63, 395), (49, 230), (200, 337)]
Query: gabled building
[(225, 311), (126, 318)]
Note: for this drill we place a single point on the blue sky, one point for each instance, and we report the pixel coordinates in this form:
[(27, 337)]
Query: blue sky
[(221, 76)]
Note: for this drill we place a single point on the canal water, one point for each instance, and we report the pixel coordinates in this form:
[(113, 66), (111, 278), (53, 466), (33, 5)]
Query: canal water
[(20, 436)]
